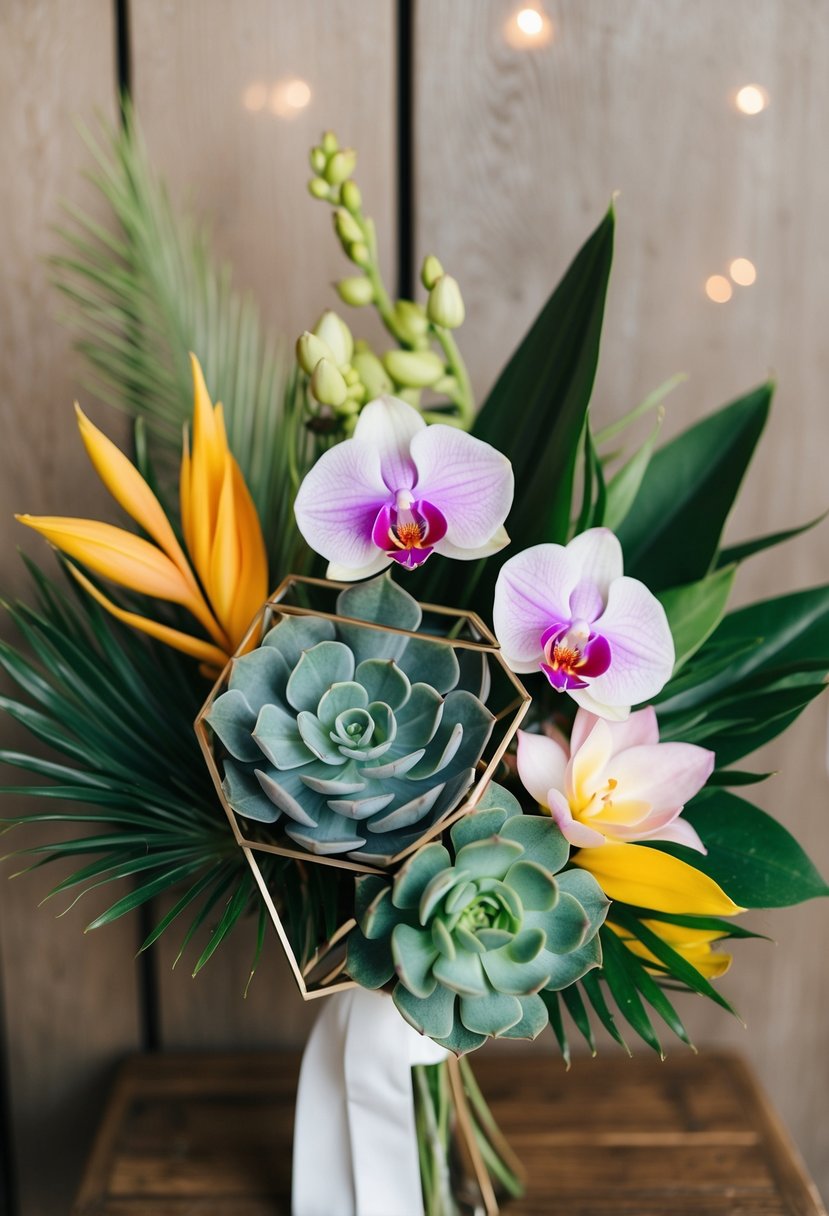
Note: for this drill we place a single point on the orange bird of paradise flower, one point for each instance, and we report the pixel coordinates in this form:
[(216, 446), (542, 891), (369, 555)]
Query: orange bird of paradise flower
[(225, 580)]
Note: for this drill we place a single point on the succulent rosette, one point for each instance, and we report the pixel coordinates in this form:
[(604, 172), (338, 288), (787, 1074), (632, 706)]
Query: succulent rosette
[(474, 934), (358, 739)]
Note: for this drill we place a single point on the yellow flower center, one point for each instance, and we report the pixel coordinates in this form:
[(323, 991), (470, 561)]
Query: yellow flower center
[(407, 536)]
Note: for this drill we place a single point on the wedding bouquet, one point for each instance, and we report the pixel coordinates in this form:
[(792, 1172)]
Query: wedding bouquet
[(476, 778)]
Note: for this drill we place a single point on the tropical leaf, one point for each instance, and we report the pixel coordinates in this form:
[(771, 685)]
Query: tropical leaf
[(747, 548), (671, 535), (694, 611)]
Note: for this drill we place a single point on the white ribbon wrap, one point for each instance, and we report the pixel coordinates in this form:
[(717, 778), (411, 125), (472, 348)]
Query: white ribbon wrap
[(355, 1146)]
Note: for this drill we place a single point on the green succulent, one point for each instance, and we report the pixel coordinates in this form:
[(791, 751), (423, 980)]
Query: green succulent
[(359, 740), (472, 941)]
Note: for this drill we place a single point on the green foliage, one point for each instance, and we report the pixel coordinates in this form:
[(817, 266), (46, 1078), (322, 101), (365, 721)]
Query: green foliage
[(357, 739), (118, 711), (143, 296), (753, 858), (695, 610), (672, 533)]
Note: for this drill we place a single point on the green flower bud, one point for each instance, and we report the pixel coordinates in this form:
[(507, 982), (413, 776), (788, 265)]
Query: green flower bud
[(347, 228), (318, 160), (341, 166), (430, 271), (309, 350), (337, 336), (356, 291), (327, 384), (410, 320), (351, 196), (445, 303), (318, 188), (347, 407), (411, 396), (359, 254), (329, 142), (447, 385), (351, 377), (414, 368), (372, 374)]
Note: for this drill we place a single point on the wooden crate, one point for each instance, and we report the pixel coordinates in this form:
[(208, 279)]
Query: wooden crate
[(210, 1135)]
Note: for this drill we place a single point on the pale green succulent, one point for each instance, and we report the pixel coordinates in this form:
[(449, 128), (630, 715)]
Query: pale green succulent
[(473, 938), (358, 739)]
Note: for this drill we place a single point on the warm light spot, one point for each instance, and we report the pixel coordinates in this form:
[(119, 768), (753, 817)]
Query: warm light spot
[(718, 288), (751, 99), (529, 27), (288, 97), (743, 272), (255, 96)]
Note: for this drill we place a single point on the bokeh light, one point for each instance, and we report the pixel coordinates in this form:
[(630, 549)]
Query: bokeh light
[(718, 288), (743, 272), (288, 97), (529, 27), (751, 99), (255, 96)]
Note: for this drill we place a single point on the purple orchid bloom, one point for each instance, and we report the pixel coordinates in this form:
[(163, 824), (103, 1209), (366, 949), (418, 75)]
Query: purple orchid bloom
[(400, 490), (597, 635)]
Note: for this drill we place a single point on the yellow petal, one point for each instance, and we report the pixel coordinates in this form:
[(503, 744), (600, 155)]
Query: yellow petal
[(205, 652), (130, 490), (185, 491), (115, 554), (209, 439), (225, 558), (710, 963), (647, 878), (252, 589)]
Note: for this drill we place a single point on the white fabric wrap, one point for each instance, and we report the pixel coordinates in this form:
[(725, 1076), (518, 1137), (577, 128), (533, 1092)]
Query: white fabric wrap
[(355, 1147)]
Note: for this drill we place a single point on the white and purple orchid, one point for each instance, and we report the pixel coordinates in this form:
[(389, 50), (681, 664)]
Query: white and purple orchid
[(400, 490), (615, 782), (596, 634)]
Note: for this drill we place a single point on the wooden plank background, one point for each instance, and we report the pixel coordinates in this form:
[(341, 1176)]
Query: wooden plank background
[(517, 151)]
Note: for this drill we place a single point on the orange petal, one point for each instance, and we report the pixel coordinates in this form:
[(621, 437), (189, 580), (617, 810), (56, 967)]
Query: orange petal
[(225, 558), (205, 652), (115, 554), (252, 590), (130, 490)]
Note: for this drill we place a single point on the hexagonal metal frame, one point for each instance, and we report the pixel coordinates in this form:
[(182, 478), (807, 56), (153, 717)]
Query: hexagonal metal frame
[(485, 643)]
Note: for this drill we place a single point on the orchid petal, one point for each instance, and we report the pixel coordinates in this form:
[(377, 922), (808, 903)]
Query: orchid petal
[(666, 775), (468, 480), (642, 648), (598, 556), (611, 713), (541, 764), (389, 427), (351, 574), (574, 832), (532, 592), (338, 503), (641, 729), (647, 878), (498, 541)]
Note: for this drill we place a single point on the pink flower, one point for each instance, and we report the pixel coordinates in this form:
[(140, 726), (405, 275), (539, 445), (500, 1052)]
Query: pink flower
[(597, 635), (400, 490), (615, 782)]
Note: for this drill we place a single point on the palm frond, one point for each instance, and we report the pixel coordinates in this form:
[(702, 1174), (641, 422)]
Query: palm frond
[(145, 295)]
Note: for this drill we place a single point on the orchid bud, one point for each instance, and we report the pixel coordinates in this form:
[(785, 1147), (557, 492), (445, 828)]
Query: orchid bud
[(410, 320), (327, 384), (359, 254), (340, 166), (351, 196), (318, 160), (337, 336), (318, 188), (430, 271), (446, 385), (445, 304), (309, 350), (347, 228), (329, 143), (372, 374), (356, 291), (414, 368)]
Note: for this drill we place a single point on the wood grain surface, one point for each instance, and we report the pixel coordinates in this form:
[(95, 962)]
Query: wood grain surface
[(71, 1004), (517, 154), (195, 64), (201, 1134)]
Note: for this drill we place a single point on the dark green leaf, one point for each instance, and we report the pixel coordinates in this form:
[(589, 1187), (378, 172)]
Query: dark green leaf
[(624, 991), (739, 553), (695, 610), (592, 986)]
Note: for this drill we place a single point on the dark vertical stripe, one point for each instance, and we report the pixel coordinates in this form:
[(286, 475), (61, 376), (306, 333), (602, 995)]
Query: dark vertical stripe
[(405, 149), (8, 1173), (147, 979)]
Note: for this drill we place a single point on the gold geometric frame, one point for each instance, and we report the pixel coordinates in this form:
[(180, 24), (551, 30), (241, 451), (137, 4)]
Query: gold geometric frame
[(329, 959)]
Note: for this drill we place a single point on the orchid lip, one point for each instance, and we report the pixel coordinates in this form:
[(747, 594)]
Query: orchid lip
[(573, 655), (408, 530)]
